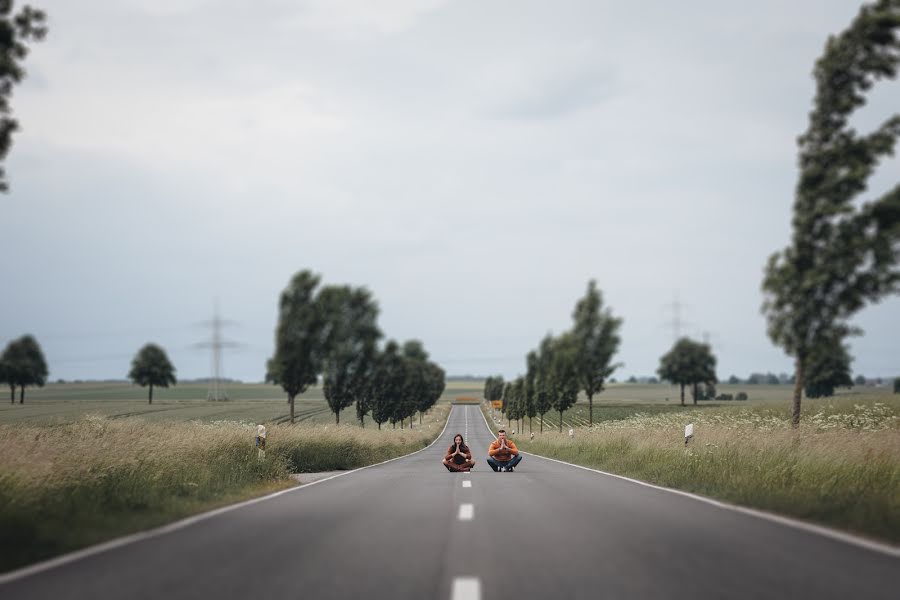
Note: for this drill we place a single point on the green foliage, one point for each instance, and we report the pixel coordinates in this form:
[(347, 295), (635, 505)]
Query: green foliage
[(529, 391), (151, 367), (843, 253), (828, 368), (387, 382), (543, 387), (897, 385), (351, 344), (688, 363), (734, 380), (741, 396), (299, 338), (859, 380), (595, 339), (493, 388), (22, 364), (563, 374), (15, 30)]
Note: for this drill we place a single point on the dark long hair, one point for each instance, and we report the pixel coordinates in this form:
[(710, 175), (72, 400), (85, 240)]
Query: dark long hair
[(462, 447)]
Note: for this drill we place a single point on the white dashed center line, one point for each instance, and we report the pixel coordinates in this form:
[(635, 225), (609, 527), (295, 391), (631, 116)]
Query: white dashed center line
[(466, 588), (467, 483), (466, 512)]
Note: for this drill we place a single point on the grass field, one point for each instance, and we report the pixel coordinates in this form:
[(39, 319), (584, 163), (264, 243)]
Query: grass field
[(87, 480), (57, 403), (840, 468)]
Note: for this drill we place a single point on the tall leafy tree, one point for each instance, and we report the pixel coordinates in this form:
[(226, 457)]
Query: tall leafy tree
[(543, 386), (507, 408), (351, 338), (530, 391), (151, 367), (595, 335), (301, 338), (387, 383), (7, 374), (434, 388), (688, 363), (829, 368), (843, 252), (564, 375), (27, 25), (22, 365), (493, 388)]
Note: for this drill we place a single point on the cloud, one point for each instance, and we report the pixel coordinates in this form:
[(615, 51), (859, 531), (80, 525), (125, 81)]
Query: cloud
[(547, 82)]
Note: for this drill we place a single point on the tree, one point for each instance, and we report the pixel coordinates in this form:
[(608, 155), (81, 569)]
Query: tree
[(688, 363), (734, 380), (564, 375), (596, 339), (352, 336), (507, 407), (151, 367), (435, 385), (23, 364), (529, 392), (543, 378), (7, 375), (388, 379), (858, 380), (828, 367), (493, 388), (843, 253), (27, 25), (300, 338)]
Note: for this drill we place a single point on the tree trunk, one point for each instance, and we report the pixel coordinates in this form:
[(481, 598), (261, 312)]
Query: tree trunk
[(420, 417), (560, 421), (12, 393), (529, 425), (542, 423), (798, 393), (682, 394), (696, 392), (291, 402), (379, 426), (362, 421), (151, 394), (22, 397), (337, 418), (590, 410)]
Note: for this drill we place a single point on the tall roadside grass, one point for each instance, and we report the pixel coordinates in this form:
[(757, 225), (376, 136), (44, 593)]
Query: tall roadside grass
[(840, 468), (76, 484)]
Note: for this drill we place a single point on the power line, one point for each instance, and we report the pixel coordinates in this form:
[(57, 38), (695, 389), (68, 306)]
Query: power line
[(217, 343)]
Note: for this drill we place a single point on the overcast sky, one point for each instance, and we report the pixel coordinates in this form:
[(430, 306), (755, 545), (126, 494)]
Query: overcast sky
[(472, 163)]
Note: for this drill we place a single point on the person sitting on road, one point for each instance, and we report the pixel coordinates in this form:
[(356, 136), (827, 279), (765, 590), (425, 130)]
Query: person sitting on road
[(458, 458), (503, 454)]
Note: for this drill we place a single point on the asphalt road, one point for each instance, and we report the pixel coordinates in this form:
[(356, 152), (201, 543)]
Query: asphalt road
[(546, 531)]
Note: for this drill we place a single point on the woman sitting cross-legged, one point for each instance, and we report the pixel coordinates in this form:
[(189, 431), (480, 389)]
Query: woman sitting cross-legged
[(458, 457)]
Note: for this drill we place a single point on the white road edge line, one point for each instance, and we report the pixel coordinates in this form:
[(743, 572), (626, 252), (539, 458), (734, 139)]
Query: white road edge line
[(466, 588), (151, 533), (466, 512), (467, 483), (834, 534)]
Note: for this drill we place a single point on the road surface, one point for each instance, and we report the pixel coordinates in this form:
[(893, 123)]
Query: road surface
[(410, 529)]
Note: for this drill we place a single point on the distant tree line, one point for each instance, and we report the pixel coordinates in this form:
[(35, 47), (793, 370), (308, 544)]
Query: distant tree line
[(331, 334)]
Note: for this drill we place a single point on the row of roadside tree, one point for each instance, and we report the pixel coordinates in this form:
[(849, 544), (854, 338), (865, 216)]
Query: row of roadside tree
[(331, 334)]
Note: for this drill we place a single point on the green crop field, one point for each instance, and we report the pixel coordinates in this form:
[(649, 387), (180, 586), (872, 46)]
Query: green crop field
[(59, 403)]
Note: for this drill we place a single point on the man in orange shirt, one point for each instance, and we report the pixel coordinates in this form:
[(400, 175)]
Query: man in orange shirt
[(502, 453)]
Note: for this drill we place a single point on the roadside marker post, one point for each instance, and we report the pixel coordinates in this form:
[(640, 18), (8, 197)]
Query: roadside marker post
[(261, 441), (688, 433)]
